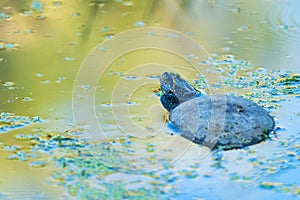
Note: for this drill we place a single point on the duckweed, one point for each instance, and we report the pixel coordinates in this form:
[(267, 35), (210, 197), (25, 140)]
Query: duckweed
[(10, 121), (270, 185), (21, 156), (83, 166), (289, 79), (38, 164), (189, 173)]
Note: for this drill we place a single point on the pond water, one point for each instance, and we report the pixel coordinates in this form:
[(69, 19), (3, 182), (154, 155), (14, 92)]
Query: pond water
[(80, 116)]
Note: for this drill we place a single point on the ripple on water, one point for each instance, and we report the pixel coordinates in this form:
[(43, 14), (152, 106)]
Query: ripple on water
[(83, 166), (282, 20)]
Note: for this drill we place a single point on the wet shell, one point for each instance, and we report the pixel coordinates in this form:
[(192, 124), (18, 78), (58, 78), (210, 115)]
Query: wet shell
[(221, 121)]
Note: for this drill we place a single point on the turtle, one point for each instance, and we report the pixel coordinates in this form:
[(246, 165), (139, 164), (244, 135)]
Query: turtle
[(215, 121)]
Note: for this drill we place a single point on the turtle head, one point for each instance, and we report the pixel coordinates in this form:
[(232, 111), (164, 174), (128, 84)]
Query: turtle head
[(175, 90)]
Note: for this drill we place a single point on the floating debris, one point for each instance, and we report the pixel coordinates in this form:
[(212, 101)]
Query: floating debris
[(107, 104), (26, 99), (46, 82), (189, 173), (291, 79), (150, 148), (109, 36), (131, 103), (37, 5), (10, 121), (39, 75), (84, 166), (106, 29), (8, 84), (140, 23), (153, 76), (76, 14), (4, 16), (28, 31), (130, 77), (38, 164), (60, 79), (226, 48), (11, 148), (102, 48), (26, 136), (57, 3), (69, 59), (270, 185), (27, 12), (172, 35), (21, 156), (10, 46), (128, 3), (242, 28)]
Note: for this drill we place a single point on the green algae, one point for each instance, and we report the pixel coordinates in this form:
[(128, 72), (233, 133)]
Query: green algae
[(83, 166), (10, 121), (290, 79)]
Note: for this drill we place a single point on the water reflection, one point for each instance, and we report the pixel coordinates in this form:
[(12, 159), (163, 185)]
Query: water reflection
[(282, 21), (43, 43)]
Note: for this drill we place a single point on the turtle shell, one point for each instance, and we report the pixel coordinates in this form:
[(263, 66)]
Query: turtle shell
[(221, 121)]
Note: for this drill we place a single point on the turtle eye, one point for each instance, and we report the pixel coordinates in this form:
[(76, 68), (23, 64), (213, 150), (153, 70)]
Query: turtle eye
[(239, 108), (170, 92)]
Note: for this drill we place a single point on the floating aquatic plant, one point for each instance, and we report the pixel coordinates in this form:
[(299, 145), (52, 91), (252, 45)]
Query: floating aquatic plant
[(84, 167), (10, 121)]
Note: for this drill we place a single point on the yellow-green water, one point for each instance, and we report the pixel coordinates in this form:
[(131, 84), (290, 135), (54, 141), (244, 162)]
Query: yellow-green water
[(43, 44)]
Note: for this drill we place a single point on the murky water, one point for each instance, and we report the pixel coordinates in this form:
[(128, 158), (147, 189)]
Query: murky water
[(69, 72)]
